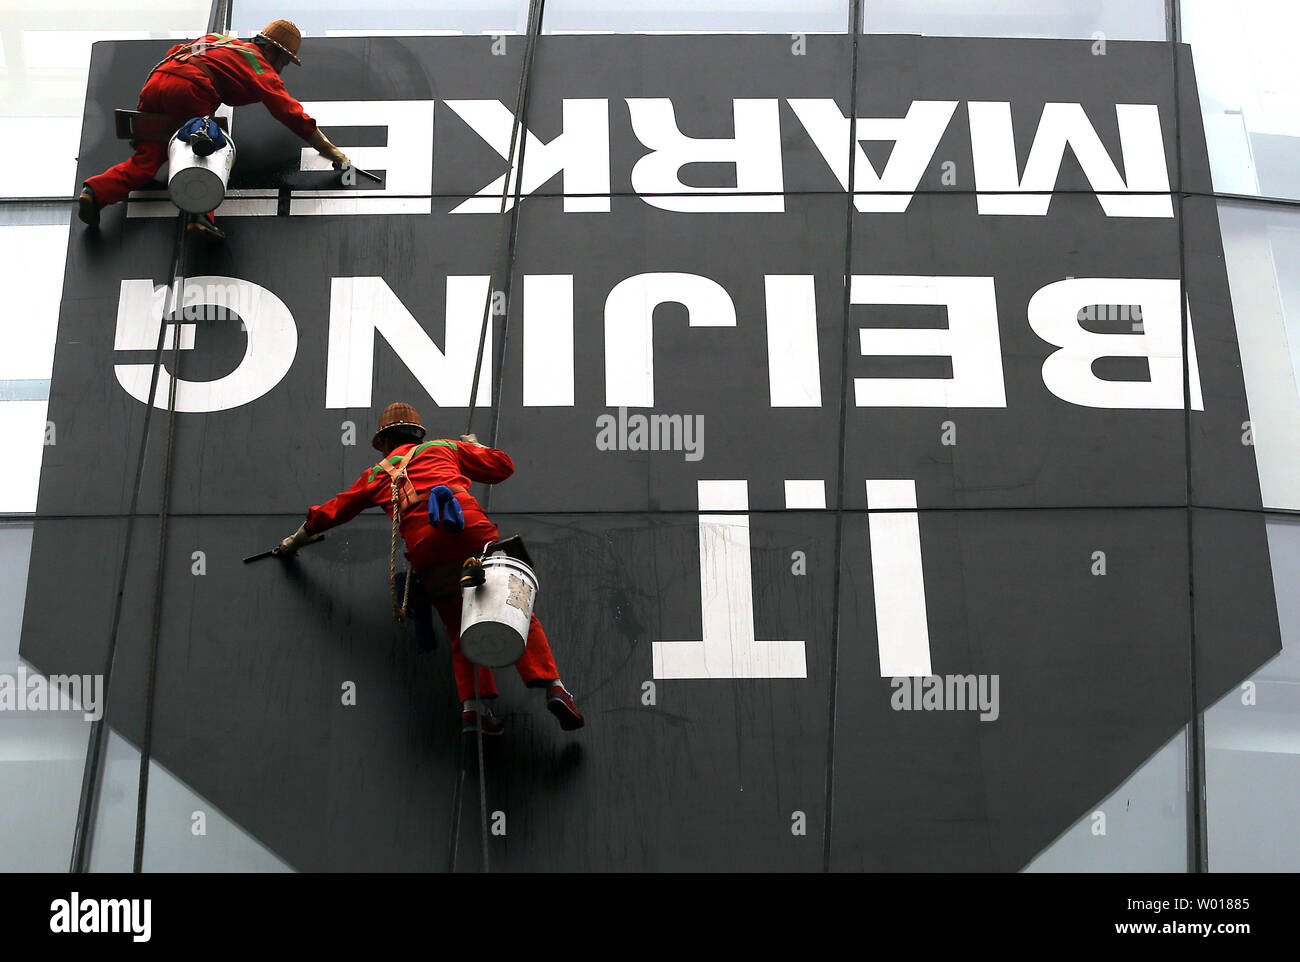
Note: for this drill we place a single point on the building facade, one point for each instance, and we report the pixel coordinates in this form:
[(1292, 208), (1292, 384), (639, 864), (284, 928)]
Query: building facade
[(903, 404)]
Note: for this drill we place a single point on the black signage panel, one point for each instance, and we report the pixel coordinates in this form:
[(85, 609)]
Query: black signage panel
[(797, 428)]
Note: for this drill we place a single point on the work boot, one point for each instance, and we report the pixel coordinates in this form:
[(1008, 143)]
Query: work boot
[(88, 206), (469, 722), (560, 704), (206, 226)]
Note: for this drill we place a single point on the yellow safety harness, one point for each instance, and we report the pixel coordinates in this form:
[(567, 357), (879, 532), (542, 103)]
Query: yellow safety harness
[(405, 498), (195, 47)]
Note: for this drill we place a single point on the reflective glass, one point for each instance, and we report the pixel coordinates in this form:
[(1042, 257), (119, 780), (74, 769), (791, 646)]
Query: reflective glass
[(183, 831), (1261, 244), (47, 49), (1249, 90), (42, 751), (687, 16), (31, 274), (332, 18), (1252, 741), (1139, 827), (1113, 19)]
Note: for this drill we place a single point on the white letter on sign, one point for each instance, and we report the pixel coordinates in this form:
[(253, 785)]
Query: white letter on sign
[(629, 328), (994, 150), (898, 580), (1053, 313), (360, 307), (970, 339), (755, 150), (915, 138), (728, 648), (581, 152), (406, 159), (268, 355), (793, 370)]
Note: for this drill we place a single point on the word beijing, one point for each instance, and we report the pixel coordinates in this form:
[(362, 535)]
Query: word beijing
[(364, 311)]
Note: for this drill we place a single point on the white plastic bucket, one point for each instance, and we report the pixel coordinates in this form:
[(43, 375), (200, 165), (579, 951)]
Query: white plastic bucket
[(494, 617), (198, 184)]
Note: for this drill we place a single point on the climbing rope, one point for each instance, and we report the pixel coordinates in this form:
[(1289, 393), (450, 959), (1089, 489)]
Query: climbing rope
[(399, 609), (514, 172), (92, 774), (482, 775), (155, 630), (534, 28), (80, 859)]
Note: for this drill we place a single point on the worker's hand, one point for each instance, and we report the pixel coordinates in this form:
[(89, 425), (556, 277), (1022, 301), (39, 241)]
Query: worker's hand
[(290, 545), (327, 149), (470, 439)]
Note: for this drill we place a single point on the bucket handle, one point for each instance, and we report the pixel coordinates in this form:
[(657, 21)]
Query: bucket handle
[(512, 547)]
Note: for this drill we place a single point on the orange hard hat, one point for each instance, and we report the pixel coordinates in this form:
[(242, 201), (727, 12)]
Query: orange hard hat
[(285, 35), (397, 415)]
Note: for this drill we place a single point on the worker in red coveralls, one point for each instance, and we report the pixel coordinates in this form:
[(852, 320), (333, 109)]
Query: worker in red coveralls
[(429, 549), (193, 80)]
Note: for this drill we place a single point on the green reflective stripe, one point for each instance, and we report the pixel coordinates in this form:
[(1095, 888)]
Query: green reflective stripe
[(252, 58), (396, 459)]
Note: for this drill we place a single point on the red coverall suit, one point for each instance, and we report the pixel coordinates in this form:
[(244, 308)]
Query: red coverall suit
[(233, 73), (455, 464)]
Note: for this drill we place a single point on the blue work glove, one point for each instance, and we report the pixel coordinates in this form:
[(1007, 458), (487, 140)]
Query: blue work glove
[(445, 509)]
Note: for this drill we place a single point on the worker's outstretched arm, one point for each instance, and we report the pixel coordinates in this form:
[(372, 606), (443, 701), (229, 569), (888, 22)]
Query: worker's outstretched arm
[(482, 463), (327, 149), (343, 507), (284, 108), (338, 510)]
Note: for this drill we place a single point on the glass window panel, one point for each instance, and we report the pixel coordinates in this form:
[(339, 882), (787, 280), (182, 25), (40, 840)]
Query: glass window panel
[(22, 437), (42, 753), (31, 275), (384, 16), (1114, 19), (67, 51), (112, 838), (1252, 741), (170, 844), (1249, 90), (60, 139), (47, 49), (690, 16), (15, 549), (1261, 244), (1145, 827)]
